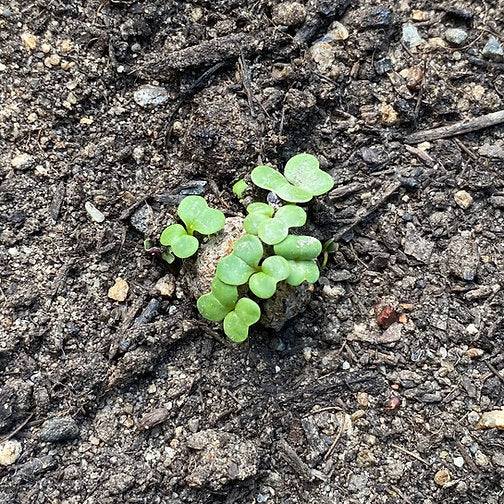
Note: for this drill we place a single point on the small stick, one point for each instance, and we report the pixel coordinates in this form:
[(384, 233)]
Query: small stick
[(411, 454), (336, 439), (17, 429), (459, 128), (494, 371)]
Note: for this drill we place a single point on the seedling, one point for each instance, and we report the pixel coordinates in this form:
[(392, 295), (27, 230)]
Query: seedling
[(235, 269), (219, 302), (273, 270), (197, 217), (248, 266), (239, 188), (272, 230), (302, 179), (237, 322), (301, 252)]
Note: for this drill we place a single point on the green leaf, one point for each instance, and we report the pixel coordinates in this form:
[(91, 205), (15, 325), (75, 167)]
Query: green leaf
[(301, 271), (303, 170), (171, 233), (262, 208), (167, 256), (272, 231), (185, 246), (276, 267), (252, 222), (181, 244), (264, 283), (198, 216), (292, 215), (239, 188), (298, 248), (268, 178), (249, 249), (219, 302), (235, 269), (275, 230), (237, 322)]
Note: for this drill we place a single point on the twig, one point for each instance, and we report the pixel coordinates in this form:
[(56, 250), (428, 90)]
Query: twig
[(468, 460), (459, 128), (494, 371), (294, 460), (411, 454), (336, 439), (17, 429), (387, 192)]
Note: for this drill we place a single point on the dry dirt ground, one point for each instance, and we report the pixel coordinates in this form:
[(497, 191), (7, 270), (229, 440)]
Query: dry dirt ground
[(140, 401)]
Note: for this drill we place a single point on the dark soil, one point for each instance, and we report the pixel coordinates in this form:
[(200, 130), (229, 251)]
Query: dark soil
[(108, 407)]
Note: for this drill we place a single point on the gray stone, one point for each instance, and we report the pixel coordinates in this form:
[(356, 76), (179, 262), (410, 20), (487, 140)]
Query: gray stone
[(410, 36), (142, 219), (93, 212), (456, 36), (22, 161), (150, 96), (463, 256), (494, 150), (220, 457), (289, 13), (493, 50), (59, 429), (416, 245), (497, 201)]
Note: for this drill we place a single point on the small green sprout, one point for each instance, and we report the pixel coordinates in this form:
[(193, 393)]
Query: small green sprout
[(236, 268), (273, 270), (197, 216), (300, 251), (272, 230), (219, 302), (239, 188), (301, 271), (302, 179), (237, 322)]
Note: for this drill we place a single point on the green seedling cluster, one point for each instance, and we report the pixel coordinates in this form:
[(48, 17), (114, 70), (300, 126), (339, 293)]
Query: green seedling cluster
[(266, 254), (197, 217)]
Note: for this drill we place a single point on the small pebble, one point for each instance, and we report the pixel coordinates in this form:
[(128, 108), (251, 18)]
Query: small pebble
[(442, 477), (420, 15), (481, 459), (93, 212), (492, 420), (289, 13), (10, 451), (22, 161), (456, 36), (59, 429), (471, 330), (119, 291), (150, 96), (410, 36), (29, 40), (165, 286), (463, 199), (458, 462), (493, 50)]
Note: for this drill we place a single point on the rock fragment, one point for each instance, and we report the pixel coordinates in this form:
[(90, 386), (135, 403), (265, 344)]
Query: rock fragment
[(410, 36), (59, 429), (442, 477), (165, 286), (94, 213), (150, 96), (463, 199), (493, 50), (463, 256), (456, 36), (491, 420), (10, 451), (119, 291), (22, 161), (289, 13)]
